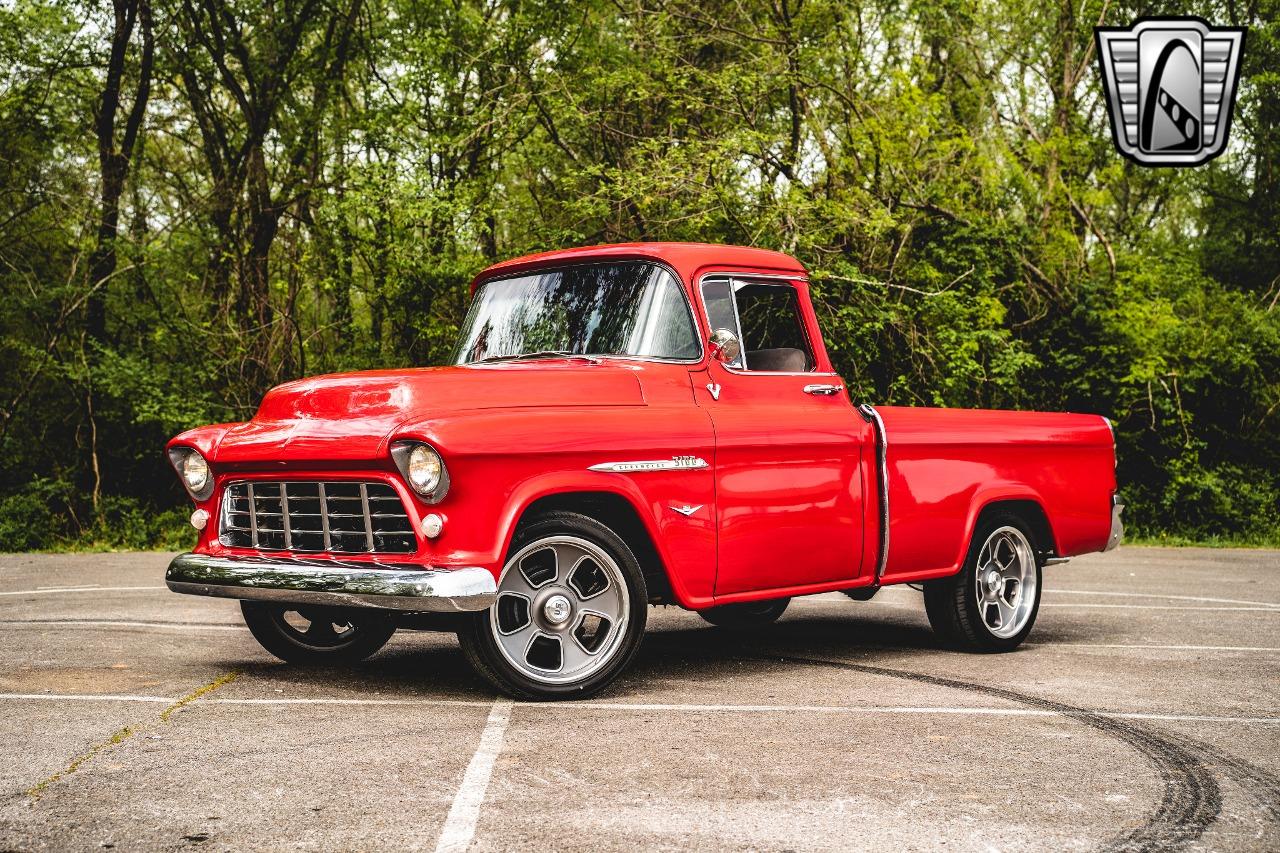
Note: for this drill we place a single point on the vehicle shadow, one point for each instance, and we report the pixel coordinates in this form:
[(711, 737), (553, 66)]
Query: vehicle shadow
[(424, 666)]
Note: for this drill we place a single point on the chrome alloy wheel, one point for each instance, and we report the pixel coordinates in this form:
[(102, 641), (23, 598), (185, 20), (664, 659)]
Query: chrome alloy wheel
[(562, 610), (1005, 582)]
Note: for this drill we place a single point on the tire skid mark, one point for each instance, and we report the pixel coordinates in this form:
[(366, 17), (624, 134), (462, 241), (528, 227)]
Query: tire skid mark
[(1190, 801), (1261, 786)]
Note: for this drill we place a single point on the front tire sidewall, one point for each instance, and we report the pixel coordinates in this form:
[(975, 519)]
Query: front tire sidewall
[(481, 649), (951, 604), (372, 631)]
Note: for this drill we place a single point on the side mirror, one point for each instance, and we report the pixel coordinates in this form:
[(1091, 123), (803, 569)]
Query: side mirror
[(725, 346)]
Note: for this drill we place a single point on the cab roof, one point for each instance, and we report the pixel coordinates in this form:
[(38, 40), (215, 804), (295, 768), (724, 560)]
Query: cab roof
[(687, 259)]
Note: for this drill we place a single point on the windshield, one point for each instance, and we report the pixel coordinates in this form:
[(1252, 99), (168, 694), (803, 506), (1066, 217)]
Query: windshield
[(627, 308)]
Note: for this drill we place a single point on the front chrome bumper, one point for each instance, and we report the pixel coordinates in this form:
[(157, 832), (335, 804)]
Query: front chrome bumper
[(1117, 526), (334, 583)]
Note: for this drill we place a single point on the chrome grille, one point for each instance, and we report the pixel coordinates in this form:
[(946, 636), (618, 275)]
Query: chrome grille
[(343, 517)]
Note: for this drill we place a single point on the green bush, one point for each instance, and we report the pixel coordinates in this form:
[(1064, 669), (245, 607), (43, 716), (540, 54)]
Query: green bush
[(38, 518)]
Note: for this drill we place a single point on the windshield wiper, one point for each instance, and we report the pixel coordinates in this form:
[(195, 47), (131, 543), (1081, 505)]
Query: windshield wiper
[(546, 353)]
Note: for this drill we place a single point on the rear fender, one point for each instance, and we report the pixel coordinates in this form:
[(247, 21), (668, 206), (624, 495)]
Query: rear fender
[(988, 497)]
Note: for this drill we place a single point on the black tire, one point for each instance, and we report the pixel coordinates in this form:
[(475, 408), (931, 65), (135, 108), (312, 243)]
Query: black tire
[(751, 614), (477, 636), (952, 603), (319, 644)]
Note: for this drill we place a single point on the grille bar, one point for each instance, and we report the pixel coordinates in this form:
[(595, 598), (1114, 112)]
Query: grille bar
[(338, 516), (284, 510), (253, 517), (324, 518)]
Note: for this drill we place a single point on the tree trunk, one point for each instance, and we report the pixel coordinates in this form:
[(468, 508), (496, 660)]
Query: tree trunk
[(114, 158)]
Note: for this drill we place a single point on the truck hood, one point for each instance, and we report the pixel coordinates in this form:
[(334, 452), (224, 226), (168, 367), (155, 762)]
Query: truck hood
[(351, 417)]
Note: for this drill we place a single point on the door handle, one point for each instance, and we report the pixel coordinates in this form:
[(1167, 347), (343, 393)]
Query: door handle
[(823, 390)]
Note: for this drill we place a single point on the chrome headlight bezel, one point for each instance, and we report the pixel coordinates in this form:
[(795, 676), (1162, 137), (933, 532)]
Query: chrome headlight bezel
[(180, 457), (402, 453)]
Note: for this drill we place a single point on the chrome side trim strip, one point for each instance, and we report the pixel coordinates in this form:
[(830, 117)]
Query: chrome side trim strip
[(333, 583), (675, 463), (882, 475)]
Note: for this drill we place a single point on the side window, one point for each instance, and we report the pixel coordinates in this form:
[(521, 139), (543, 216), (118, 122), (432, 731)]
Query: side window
[(717, 295), (773, 336), (766, 319)]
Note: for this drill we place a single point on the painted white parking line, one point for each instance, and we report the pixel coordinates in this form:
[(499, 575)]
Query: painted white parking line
[(1171, 648), (1168, 597), (114, 623), (284, 700), (60, 590), (895, 597), (1083, 606), (961, 710), (86, 697), (916, 603), (460, 825)]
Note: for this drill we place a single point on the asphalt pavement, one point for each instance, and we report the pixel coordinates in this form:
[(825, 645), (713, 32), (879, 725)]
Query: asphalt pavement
[(1142, 714)]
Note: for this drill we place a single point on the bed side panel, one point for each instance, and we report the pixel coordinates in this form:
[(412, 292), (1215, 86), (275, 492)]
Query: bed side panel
[(945, 465)]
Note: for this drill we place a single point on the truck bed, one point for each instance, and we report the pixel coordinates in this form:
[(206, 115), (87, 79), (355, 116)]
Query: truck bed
[(943, 466)]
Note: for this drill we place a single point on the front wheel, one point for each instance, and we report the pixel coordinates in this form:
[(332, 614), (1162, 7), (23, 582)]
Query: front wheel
[(569, 615), (316, 635), (991, 605)]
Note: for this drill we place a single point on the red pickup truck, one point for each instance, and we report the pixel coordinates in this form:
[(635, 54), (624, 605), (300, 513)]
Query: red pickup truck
[(625, 425)]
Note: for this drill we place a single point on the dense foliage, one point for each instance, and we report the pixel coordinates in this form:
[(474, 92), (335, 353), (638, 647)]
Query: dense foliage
[(201, 198)]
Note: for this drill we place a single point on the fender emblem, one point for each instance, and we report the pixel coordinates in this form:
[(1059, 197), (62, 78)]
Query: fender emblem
[(675, 463), (686, 509)]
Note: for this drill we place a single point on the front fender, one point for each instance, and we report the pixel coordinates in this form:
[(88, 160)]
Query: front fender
[(500, 463), (684, 544)]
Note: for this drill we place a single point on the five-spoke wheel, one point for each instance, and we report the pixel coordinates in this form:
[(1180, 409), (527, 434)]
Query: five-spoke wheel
[(561, 609), (1005, 582), (569, 614), (992, 603)]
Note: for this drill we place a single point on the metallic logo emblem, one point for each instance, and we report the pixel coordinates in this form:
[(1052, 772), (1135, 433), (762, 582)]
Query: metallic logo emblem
[(675, 463), (687, 510), (1170, 85)]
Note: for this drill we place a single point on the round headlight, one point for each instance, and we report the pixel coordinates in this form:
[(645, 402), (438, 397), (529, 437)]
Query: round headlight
[(195, 472), (425, 469)]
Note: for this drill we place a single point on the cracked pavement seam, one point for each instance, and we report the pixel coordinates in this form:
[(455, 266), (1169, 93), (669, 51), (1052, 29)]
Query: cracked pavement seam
[(121, 735)]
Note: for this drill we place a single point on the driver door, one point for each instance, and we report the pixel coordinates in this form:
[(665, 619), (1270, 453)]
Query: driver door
[(789, 447)]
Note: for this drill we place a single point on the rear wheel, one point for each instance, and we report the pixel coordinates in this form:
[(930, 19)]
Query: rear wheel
[(751, 614), (569, 615), (316, 635), (991, 605)]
